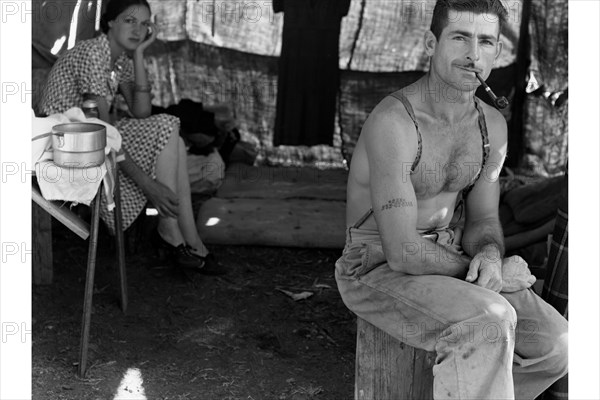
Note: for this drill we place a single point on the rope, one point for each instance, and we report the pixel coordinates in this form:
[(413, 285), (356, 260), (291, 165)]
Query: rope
[(213, 18), (361, 16)]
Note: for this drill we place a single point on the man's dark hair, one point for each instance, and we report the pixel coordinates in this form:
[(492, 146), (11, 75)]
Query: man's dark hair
[(116, 7), (442, 7)]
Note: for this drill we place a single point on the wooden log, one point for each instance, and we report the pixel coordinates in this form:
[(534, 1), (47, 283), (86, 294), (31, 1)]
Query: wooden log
[(243, 181), (283, 190), (273, 222), (41, 238), (389, 369)]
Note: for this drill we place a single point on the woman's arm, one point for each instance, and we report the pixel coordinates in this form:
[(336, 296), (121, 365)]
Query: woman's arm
[(163, 198), (137, 95)]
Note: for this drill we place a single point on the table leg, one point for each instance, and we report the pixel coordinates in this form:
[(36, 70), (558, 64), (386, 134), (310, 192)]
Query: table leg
[(120, 243), (89, 285)]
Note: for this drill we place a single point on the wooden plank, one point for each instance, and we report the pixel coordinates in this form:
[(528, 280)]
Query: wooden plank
[(64, 215), (41, 238), (243, 181), (273, 222), (389, 369), (423, 383), (283, 190)]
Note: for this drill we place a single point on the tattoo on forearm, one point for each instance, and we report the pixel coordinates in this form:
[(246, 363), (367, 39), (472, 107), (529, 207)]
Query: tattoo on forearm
[(397, 202)]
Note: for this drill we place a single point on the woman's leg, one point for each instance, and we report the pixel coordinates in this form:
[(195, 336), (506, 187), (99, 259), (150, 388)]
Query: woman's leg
[(166, 173), (186, 217)]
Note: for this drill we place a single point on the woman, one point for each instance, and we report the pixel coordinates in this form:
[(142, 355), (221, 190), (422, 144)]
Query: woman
[(155, 155)]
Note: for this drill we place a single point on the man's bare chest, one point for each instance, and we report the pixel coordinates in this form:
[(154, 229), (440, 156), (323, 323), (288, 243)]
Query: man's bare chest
[(450, 161)]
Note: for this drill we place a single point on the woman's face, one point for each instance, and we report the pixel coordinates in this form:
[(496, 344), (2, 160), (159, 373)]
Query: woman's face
[(130, 27)]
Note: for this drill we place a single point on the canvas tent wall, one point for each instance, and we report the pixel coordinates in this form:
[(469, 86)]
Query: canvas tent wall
[(226, 51)]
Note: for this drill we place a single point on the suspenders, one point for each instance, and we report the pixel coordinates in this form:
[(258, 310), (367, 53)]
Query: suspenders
[(484, 139)]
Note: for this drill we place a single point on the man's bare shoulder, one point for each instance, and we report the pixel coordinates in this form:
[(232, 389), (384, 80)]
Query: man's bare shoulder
[(389, 119)]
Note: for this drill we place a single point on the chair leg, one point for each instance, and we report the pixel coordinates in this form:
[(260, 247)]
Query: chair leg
[(89, 285), (41, 237), (120, 243)]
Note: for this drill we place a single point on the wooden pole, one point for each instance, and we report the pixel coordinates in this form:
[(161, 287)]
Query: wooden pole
[(120, 242)]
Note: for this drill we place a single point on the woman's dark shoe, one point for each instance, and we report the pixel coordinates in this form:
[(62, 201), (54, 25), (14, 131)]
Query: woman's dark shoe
[(210, 264), (180, 255), (185, 259)]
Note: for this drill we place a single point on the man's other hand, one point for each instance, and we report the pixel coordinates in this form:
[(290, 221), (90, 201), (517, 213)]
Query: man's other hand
[(485, 269), (516, 275)]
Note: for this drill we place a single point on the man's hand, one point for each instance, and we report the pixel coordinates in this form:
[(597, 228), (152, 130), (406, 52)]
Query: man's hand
[(516, 275), (163, 198), (485, 269)]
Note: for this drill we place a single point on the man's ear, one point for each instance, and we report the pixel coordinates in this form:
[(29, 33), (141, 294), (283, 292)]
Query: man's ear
[(430, 43), (498, 51)]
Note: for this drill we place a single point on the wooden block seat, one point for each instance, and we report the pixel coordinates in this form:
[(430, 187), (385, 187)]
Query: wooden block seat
[(387, 369)]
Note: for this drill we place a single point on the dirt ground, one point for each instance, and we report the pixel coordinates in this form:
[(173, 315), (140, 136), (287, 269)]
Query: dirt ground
[(233, 337)]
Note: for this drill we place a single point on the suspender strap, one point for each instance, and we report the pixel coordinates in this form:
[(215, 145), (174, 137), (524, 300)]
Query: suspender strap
[(486, 146), (411, 114), (363, 219)]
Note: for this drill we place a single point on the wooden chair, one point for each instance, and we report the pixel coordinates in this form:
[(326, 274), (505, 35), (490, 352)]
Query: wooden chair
[(84, 231), (387, 369)]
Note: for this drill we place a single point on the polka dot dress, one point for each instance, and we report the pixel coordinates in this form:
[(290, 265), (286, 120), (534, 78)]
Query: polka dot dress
[(85, 69)]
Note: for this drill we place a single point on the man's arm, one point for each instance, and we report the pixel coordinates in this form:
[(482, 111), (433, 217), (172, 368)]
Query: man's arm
[(483, 238), (482, 225), (391, 146)]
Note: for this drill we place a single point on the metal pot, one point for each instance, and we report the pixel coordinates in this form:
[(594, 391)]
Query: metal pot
[(79, 144)]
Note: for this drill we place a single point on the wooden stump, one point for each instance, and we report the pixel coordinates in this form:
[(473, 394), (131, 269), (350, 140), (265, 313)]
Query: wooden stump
[(387, 369)]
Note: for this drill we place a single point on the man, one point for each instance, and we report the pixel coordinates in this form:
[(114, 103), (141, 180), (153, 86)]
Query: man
[(412, 266)]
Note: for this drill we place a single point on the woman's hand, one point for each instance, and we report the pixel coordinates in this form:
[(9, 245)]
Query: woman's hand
[(163, 199), (138, 96), (150, 38), (516, 275)]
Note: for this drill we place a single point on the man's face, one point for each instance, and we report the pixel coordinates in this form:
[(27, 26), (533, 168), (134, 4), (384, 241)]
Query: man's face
[(468, 44)]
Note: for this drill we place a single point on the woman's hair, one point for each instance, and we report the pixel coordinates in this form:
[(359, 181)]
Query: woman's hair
[(116, 7), (442, 7)]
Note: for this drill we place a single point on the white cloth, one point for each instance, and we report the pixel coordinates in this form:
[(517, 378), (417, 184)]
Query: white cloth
[(77, 185), (206, 173)]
